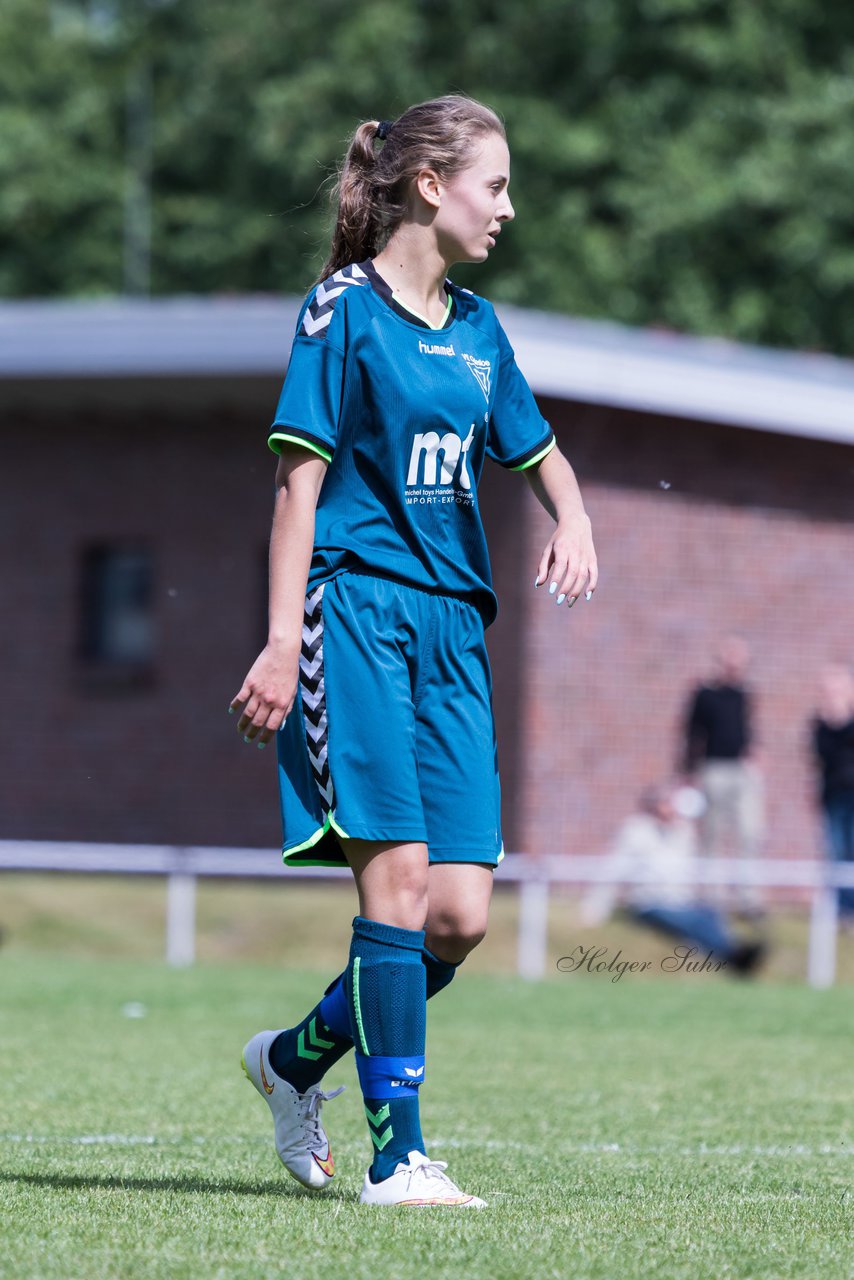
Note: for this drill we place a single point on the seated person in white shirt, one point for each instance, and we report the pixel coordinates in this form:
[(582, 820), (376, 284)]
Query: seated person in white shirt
[(654, 880)]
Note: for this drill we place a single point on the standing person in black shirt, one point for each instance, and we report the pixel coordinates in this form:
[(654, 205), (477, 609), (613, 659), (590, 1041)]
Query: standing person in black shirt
[(719, 758), (833, 746)]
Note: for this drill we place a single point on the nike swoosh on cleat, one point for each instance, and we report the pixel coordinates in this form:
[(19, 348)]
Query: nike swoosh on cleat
[(439, 1200), (268, 1088), (327, 1165)]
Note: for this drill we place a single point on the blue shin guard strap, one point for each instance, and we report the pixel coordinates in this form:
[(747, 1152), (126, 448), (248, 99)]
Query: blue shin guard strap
[(385, 1077)]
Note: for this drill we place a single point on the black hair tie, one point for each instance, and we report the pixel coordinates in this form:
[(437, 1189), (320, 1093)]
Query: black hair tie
[(383, 129)]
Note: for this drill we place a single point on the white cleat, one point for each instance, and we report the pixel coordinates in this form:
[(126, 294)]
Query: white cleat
[(301, 1142), (420, 1182)]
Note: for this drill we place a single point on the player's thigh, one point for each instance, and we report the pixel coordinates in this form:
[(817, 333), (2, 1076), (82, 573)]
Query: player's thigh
[(369, 645), (457, 753), (391, 880)]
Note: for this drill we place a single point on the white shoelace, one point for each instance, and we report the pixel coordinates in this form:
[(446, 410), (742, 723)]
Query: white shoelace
[(433, 1170), (316, 1098)]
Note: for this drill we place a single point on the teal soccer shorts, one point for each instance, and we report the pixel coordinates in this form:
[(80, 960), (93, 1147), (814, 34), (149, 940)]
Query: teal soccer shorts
[(391, 736)]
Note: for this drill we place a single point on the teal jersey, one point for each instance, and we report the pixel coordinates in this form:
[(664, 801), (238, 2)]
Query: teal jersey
[(405, 416)]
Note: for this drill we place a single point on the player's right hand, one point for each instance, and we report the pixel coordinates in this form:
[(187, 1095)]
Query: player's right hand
[(267, 695)]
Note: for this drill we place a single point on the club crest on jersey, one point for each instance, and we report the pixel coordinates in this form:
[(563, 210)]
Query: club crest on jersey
[(482, 370)]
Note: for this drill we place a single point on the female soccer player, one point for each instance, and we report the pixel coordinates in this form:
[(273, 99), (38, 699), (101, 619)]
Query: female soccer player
[(374, 679)]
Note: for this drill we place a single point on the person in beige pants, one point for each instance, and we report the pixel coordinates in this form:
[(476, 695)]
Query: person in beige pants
[(720, 760)]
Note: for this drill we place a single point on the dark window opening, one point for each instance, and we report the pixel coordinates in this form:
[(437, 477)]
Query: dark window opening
[(116, 641)]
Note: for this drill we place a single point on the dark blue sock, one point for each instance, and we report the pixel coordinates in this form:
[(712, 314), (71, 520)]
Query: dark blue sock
[(333, 1013), (438, 972), (335, 1009), (386, 993), (303, 1054)]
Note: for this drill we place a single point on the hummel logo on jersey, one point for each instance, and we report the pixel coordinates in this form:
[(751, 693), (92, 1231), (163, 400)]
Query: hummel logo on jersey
[(428, 445), (482, 370), (433, 349)]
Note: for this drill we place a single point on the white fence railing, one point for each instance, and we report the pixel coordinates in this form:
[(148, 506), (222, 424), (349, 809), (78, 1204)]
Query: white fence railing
[(533, 876)]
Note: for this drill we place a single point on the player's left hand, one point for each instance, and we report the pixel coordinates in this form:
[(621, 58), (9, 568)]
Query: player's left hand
[(568, 563), (267, 694)]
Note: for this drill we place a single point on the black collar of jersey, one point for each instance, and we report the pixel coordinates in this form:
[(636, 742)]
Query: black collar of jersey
[(384, 289)]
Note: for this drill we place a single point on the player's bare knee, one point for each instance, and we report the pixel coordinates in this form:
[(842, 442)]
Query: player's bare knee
[(466, 942), (414, 904), (453, 937), (402, 904)]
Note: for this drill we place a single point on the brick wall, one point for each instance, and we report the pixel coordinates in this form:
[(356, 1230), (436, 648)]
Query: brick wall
[(158, 763), (700, 529), (754, 533)]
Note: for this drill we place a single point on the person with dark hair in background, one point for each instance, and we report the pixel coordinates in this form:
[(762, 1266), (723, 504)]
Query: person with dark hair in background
[(833, 749), (719, 757)]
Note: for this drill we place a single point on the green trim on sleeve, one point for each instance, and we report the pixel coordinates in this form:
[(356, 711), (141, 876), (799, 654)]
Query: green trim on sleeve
[(282, 437), (538, 457)]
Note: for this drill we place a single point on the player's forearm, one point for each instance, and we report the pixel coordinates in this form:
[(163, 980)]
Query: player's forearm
[(556, 488), (568, 562), (291, 543)]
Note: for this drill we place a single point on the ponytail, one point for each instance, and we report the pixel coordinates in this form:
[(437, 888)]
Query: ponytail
[(373, 187), (358, 226)]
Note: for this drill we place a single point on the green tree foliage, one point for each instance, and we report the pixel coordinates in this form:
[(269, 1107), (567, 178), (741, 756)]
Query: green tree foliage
[(682, 163)]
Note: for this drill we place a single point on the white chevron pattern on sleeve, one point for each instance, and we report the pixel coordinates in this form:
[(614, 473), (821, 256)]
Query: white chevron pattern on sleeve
[(318, 313)]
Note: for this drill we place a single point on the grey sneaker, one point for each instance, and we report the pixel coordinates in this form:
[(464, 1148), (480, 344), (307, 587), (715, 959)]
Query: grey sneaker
[(301, 1141)]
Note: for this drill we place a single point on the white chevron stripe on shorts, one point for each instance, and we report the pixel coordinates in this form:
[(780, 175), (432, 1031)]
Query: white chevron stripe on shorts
[(313, 694)]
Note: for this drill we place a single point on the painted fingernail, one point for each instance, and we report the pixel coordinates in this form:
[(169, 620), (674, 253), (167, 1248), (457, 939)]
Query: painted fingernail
[(552, 588), (245, 739), (537, 581), (231, 711), (561, 597), (572, 600), (261, 746), (589, 595)]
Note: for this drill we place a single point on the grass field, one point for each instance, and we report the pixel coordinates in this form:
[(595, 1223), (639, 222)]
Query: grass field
[(695, 1129)]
